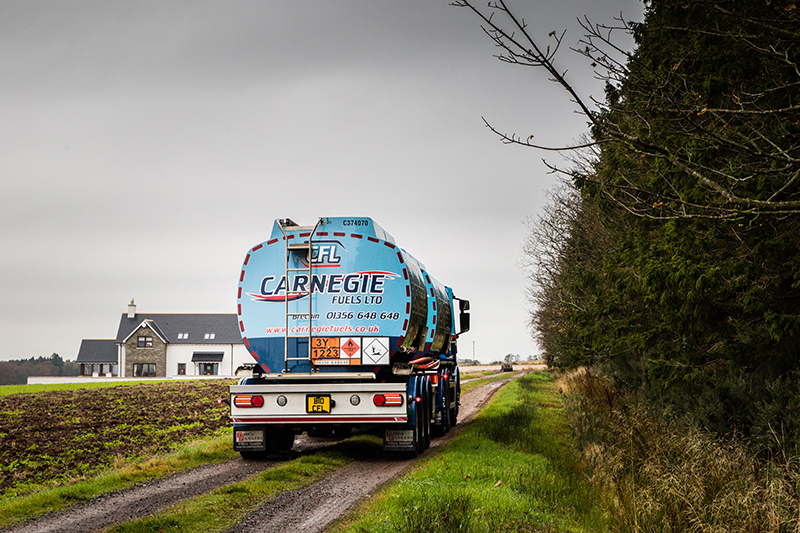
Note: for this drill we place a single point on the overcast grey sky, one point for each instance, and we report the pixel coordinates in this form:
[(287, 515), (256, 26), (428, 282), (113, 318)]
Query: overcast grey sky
[(145, 146)]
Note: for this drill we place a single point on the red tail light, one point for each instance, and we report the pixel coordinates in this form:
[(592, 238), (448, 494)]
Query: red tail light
[(248, 400), (390, 399)]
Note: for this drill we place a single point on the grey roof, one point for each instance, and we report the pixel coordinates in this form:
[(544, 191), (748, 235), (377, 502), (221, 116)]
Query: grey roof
[(97, 351), (207, 357), (225, 327)]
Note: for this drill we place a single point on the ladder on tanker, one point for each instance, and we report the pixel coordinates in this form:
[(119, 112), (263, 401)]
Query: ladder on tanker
[(297, 245)]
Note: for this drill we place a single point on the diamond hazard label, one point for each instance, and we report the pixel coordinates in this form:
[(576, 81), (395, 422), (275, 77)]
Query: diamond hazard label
[(350, 350), (376, 350), (350, 347)]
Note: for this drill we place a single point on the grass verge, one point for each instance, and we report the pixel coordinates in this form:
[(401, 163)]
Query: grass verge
[(512, 469), (200, 452)]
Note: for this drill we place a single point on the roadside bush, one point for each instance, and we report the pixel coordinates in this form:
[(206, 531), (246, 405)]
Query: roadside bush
[(661, 473)]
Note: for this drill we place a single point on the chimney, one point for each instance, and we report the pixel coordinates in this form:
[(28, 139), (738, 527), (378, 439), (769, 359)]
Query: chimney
[(131, 309)]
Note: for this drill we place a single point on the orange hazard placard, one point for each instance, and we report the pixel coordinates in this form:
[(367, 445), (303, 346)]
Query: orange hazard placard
[(324, 348), (336, 351)]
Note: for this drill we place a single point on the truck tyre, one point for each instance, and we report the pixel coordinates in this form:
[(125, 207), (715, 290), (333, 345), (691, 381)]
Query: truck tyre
[(446, 409), (438, 430), (427, 400), (282, 441), (419, 433)]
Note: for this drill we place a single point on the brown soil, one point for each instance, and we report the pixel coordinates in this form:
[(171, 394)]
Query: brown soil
[(52, 437)]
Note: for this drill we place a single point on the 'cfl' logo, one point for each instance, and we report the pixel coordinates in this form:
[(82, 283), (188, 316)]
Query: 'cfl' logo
[(325, 253)]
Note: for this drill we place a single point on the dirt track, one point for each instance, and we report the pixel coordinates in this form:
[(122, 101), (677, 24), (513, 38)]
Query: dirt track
[(305, 510), (288, 512)]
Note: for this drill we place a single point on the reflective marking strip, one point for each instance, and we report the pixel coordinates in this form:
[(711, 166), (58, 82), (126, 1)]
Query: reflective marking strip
[(307, 419)]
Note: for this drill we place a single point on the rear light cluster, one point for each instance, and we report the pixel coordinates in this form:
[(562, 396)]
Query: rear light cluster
[(248, 400), (390, 399)]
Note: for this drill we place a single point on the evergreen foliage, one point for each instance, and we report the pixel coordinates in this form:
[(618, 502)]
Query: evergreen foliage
[(685, 290)]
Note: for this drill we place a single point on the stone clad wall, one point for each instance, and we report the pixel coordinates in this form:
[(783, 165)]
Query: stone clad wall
[(157, 354)]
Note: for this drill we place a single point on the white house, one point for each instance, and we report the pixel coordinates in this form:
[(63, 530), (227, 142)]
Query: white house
[(167, 345)]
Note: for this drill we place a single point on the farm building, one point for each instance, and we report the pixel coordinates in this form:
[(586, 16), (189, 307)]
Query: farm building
[(166, 345)]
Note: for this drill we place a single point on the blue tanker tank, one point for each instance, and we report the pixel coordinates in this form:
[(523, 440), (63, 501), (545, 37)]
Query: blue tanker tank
[(344, 288)]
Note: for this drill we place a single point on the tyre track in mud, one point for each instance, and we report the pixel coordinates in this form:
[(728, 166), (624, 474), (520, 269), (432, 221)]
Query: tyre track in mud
[(299, 510), (144, 499), (314, 508)]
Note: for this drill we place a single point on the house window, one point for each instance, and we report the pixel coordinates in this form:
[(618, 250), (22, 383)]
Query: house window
[(144, 370), (86, 370), (181, 369), (183, 336), (145, 342), (210, 336)]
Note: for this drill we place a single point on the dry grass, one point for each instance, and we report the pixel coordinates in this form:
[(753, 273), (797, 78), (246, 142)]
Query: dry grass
[(661, 474)]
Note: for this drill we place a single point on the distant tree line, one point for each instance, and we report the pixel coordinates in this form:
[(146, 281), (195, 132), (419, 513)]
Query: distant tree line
[(16, 372), (670, 256)]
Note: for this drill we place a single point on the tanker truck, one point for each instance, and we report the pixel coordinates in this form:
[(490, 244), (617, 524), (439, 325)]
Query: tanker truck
[(348, 331)]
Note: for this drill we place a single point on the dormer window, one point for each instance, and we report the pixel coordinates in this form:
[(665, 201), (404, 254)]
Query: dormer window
[(210, 336), (183, 336)]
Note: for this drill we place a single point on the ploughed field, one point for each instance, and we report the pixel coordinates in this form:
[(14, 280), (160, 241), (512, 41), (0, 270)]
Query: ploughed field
[(54, 436)]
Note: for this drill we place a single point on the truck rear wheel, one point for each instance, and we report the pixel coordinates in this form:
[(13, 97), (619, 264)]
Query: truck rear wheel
[(446, 410), (426, 422), (419, 437), (281, 440), (278, 440), (444, 416)]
